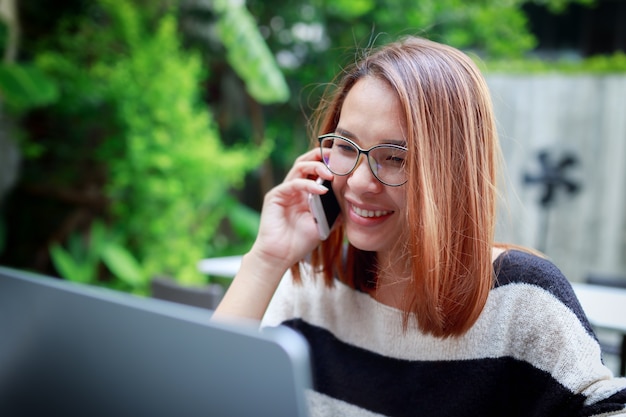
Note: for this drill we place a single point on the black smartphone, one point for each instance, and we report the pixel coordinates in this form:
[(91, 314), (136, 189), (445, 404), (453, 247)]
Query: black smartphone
[(325, 209)]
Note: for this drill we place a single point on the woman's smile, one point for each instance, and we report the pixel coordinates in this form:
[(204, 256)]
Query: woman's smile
[(370, 213)]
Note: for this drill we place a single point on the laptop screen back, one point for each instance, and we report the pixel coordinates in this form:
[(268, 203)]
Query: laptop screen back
[(73, 350)]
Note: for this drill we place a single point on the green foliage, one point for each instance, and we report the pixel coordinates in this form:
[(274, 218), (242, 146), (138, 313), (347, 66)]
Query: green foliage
[(601, 64), (351, 9), (123, 265), (248, 54), (81, 260), (245, 221), (615, 63), (238, 231), (78, 263), (23, 87), (168, 171), (496, 29)]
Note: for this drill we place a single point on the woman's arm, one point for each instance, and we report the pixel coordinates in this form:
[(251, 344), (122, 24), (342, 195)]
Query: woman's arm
[(287, 233), (252, 288)]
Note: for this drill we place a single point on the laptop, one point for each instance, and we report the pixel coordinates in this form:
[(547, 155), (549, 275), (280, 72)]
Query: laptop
[(69, 349)]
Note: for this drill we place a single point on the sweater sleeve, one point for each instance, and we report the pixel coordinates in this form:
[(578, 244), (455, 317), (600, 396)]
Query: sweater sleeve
[(555, 334)]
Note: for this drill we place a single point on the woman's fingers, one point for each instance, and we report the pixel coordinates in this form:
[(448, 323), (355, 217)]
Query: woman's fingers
[(309, 165), (302, 186), (311, 155), (288, 231)]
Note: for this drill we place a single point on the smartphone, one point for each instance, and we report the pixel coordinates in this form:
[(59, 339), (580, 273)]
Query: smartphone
[(325, 209)]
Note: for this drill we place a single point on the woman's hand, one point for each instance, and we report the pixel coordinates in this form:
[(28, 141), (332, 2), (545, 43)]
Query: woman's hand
[(288, 231)]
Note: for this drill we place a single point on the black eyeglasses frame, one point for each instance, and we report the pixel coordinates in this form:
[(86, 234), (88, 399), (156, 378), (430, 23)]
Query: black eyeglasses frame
[(365, 152)]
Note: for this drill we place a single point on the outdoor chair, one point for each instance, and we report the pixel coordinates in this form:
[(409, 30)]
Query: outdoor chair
[(617, 349)]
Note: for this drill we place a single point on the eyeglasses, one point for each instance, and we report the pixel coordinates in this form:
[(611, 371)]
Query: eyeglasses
[(386, 161)]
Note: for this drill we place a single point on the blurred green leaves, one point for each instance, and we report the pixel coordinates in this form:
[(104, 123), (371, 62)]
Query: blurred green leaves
[(168, 172), (350, 9), (248, 54), (80, 261), (25, 86)]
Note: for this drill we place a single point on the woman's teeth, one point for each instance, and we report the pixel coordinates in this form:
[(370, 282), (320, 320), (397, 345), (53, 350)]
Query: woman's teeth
[(370, 213)]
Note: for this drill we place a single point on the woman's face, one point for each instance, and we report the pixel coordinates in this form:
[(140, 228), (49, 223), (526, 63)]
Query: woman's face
[(374, 214)]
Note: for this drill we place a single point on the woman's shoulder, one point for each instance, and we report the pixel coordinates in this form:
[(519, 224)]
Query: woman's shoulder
[(519, 266), (517, 271)]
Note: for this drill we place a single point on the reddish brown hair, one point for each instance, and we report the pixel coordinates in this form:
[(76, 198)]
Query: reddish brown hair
[(453, 154)]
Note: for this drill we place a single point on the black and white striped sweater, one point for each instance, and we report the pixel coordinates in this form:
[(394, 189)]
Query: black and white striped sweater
[(531, 353)]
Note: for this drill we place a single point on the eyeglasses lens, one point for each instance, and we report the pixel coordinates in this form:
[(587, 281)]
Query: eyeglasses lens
[(386, 162)]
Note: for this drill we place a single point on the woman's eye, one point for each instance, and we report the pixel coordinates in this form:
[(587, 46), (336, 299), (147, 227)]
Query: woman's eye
[(345, 148), (393, 158), (396, 159)]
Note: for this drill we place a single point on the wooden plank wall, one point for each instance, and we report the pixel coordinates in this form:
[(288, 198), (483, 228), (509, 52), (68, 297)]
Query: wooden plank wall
[(583, 116)]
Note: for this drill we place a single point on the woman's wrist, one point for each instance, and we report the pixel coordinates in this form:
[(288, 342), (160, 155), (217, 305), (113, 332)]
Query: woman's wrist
[(252, 288), (266, 263)]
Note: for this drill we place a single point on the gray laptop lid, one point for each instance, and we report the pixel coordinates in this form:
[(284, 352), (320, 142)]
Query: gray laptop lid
[(73, 350)]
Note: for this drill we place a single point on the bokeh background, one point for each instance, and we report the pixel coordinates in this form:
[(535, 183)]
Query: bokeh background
[(138, 137)]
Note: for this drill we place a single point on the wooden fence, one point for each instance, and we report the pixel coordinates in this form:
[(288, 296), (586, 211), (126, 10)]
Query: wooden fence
[(568, 134)]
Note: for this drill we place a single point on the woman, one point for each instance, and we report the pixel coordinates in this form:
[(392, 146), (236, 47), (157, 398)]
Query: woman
[(409, 306)]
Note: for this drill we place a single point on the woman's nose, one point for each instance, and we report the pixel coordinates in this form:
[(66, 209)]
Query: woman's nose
[(362, 177)]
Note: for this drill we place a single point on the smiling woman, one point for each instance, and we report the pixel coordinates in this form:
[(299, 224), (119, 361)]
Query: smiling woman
[(371, 116), (409, 306), (439, 106)]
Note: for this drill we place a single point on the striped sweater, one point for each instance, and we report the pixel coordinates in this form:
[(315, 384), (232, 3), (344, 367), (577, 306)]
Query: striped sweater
[(532, 351)]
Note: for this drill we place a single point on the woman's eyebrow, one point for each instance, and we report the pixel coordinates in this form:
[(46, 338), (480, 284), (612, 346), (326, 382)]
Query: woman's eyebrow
[(347, 134)]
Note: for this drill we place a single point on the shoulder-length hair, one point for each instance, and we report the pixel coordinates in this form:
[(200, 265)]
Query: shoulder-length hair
[(451, 193)]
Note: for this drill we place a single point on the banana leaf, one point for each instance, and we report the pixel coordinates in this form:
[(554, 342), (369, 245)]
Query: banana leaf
[(248, 53), (23, 87)]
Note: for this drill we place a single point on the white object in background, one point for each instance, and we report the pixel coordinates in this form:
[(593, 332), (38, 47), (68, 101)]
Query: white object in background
[(226, 266), (604, 306)]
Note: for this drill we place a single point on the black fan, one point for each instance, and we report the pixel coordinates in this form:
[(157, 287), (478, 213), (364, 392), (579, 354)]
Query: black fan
[(553, 176)]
